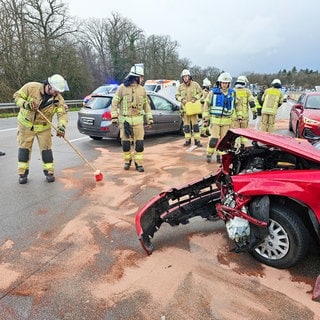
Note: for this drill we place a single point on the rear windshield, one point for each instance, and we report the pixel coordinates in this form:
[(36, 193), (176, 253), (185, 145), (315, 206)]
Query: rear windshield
[(98, 103)]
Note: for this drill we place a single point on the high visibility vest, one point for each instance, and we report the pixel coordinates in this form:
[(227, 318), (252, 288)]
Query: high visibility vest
[(222, 104), (131, 104), (245, 97), (272, 99)]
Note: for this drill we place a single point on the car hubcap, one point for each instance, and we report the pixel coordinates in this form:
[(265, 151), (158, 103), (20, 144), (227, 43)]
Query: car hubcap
[(276, 245)]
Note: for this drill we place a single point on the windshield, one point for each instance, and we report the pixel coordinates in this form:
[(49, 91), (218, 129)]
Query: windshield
[(149, 87), (313, 102)]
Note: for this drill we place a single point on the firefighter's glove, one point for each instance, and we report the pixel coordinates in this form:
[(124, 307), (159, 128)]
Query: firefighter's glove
[(30, 105), (128, 131), (61, 131), (254, 115), (115, 121), (150, 122)]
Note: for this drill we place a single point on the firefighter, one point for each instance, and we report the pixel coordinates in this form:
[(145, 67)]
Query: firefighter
[(189, 91), (219, 107), (45, 96), (204, 130), (272, 99), (245, 101), (132, 101)]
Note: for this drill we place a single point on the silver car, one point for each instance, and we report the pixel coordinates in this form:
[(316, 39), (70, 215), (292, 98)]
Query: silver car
[(94, 119)]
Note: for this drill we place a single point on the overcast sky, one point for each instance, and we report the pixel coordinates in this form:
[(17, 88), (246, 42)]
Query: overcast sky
[(234, 36)]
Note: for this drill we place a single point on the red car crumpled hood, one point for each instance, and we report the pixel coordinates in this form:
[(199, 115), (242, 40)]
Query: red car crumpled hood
[(298, 147)]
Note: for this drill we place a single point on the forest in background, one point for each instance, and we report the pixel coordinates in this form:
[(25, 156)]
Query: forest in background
[(39, 38)]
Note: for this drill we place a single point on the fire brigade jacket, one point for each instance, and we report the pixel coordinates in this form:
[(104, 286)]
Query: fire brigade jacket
[(49, 105), (245, 99), (272, 99), (188, 92), (131, 104)]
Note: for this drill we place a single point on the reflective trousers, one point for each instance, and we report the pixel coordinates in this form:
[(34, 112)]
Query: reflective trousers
[(25, 138)]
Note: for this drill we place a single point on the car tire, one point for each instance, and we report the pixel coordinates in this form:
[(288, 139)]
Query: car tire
[(288, 240), (95, 138)]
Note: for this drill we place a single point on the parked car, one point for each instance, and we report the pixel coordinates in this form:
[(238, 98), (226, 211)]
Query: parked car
[(106, 88), (266, 193), (304, 118), (94, 119)]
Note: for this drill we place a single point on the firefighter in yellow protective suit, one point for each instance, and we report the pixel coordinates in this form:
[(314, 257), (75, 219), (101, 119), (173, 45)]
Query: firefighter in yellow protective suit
[(130, 106), (245, 101), (189, 91), (219, 107), (47, 98), (272, 99), (206, 85)]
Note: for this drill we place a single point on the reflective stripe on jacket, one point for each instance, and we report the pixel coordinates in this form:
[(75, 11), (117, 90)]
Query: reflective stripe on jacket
[(244, 97), (222, 103), (272, 99), (34, 92), (193, 90), (131, 104)]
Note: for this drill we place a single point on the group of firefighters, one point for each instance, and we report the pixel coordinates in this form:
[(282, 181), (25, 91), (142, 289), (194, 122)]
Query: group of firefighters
[(224, 107), (221, 107)]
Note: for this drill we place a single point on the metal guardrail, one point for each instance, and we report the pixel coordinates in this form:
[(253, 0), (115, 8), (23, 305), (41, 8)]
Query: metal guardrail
[(12, 105)]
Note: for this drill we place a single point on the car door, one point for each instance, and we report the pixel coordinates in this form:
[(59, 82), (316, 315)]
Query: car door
[(295, 113), (166, 115)]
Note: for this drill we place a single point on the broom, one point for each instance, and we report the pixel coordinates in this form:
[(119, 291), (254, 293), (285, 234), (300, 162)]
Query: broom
[(97, 173)]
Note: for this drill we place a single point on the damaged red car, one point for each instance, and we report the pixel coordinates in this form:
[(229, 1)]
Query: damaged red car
[(266, 193)]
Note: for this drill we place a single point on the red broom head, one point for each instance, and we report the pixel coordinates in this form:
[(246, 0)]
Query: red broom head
[(98, 175)]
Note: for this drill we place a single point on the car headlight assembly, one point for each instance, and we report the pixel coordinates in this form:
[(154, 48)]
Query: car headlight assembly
[(310, 121)]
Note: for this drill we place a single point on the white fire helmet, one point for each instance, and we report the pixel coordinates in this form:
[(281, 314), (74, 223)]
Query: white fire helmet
[(206, 82), (225, 77), (137, 70), (58, 83), (242, 79), (276, 81), (185, 72)]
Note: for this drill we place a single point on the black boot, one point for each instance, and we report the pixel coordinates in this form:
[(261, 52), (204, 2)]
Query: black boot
[(49, 176), (187, 143), (127, 165), (139, 168), (198, 143), (23, 178)]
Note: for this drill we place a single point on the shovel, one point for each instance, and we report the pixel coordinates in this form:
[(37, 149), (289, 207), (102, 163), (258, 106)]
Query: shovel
[(97, 173)]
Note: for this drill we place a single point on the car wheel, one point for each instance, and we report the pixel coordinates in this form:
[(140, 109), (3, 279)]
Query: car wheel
[(287, 242), (95, 138)]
